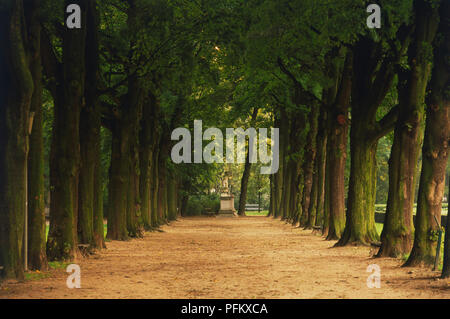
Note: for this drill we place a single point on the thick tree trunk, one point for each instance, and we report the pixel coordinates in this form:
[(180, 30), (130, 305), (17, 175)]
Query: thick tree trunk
[(360, 219), (134, 217), (37, 257), (17, 87), (65, 149), (88, 146), (146, 146), (435, 152), (90, 210), (118, 183), (370, 84), (397, 235), (99, 223), (308, 166), (337, 152)]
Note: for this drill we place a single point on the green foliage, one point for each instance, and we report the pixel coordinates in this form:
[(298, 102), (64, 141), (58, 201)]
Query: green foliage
[(200, 204)]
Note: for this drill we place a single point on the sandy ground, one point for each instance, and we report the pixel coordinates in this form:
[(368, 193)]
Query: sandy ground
[(252, 257)]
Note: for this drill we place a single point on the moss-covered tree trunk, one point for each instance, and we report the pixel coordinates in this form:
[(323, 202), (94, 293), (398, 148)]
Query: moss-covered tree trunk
[(435, 151), (65, 148), (370, 84), (37, 236), (15, 99), (337, 152), (397, 235), (360, 219)]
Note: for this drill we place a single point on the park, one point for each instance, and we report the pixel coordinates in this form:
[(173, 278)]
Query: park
[(224, 149)]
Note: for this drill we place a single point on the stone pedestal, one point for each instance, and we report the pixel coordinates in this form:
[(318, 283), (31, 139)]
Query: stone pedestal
[(227, 206)]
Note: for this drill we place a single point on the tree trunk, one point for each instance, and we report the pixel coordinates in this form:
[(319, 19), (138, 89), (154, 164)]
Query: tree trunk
[(370, 84), (17, 87), (155, 186), (171, 197), (247, 170), (37, 236), (337, 152), (435, 152), (162, 180), (278, 177), (446, 265), (321, 166), (118, 183), (65, 149), (308, 166), (146, 146), (397, 235), (90, 210), (360, 219)]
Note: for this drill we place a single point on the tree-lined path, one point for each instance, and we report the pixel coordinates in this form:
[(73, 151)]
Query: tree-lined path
[(250, 257)]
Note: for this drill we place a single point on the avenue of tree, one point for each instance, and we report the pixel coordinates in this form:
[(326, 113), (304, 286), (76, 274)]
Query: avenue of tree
[(86, 116)]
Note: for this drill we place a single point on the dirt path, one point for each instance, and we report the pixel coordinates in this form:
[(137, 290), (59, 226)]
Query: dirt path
[(252, 257)]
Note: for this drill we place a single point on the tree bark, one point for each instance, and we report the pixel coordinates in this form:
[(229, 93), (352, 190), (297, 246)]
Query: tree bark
[(321, 166), (308, 166), (37, 236), (435, 152), (146, 146), (246, 173), (337, 152), (65, 148), (397, 235), (17, 90), (446, 265), (370, 84)]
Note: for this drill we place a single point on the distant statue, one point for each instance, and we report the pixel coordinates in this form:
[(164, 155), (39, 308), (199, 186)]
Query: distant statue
[(226, 198), (225, 186)]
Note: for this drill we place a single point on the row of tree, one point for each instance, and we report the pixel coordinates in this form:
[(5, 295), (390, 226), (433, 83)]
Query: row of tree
[(138, 69), (393, 79), (130, 69)]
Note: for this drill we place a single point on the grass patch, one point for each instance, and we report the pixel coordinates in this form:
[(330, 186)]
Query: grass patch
[(36, 275), (255, 213), (58, 264)]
